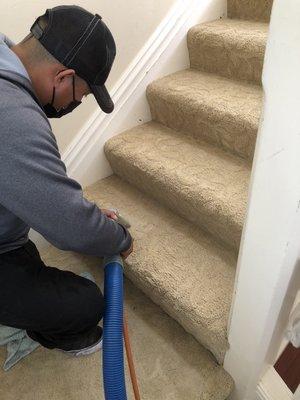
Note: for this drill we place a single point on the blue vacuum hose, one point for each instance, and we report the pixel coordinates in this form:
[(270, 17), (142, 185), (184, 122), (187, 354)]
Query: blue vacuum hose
[(113, 358)]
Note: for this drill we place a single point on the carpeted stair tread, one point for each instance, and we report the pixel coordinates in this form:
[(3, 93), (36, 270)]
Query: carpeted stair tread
[(169, 362), (176, 264), (256, 10), (198, 181), (205, 105), (228, 47)]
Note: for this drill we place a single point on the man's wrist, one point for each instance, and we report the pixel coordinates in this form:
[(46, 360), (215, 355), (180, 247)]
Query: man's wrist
[(128, 240)]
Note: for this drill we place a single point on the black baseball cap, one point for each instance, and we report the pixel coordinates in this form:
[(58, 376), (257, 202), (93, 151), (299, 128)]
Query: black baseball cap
[(80, 40)]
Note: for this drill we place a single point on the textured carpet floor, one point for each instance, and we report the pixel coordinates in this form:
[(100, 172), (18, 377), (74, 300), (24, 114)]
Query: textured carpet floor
[(169, 363), (229, 47), (206, 106), (192, 163), (257, 10), (175, 263)]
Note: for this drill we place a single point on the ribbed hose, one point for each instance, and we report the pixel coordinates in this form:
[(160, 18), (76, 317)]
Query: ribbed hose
[(113, 359)]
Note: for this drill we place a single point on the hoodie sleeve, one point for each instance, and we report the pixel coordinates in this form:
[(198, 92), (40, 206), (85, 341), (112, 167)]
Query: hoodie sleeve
[(35, 187)]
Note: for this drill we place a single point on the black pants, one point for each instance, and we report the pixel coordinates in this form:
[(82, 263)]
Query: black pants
[(58, 309)]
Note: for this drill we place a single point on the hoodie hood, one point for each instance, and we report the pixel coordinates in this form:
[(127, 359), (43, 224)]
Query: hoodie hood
[(9, 61), (12, 68)]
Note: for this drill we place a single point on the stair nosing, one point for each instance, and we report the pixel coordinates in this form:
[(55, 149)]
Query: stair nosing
[(156, 87), (223, 21)]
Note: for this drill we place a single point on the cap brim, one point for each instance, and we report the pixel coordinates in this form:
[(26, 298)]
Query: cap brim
[(103, 98)]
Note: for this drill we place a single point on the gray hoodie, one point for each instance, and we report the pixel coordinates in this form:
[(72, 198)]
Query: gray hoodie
[(35, 191)]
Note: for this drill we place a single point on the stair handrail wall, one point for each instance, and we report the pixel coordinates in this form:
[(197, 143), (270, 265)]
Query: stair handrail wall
[(268, 262)]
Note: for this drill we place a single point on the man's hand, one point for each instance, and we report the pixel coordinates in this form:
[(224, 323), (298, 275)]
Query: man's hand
[(113, 215), (126, 253), (109, 213)]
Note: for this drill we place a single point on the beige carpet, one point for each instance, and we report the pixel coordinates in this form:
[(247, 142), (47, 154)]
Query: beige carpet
[(175, 263), (170, 364), (200, 182), (182, 180), (230, 48), (192, 163), (258, 10), (221, 111)]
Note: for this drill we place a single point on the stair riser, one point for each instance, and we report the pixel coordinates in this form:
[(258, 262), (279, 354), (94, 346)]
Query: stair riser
[(227, 131), (196, 207), (226, 58), (256, 10), (212, 341)]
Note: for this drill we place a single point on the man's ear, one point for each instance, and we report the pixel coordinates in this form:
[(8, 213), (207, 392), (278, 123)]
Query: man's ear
[(62, 74)]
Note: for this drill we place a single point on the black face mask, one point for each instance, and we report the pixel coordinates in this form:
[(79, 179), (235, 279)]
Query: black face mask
[(51, 111)]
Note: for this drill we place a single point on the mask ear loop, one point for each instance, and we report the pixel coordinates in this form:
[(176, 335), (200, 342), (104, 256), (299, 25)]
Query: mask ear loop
[(74, 88), (53, 94)]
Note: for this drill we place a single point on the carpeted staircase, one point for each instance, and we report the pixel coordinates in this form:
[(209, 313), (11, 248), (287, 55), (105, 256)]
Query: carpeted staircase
[(192, 163), (182, 181)]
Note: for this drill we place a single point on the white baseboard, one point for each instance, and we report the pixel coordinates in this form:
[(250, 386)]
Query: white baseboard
[(165, 52), (272, 387)]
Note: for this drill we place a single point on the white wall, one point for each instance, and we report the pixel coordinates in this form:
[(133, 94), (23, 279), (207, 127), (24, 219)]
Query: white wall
[(163, 53), (268, 266), (131, 22)]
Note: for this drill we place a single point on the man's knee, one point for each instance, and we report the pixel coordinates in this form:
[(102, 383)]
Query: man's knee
[(97, 306), (90, 305), (95, 303)]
